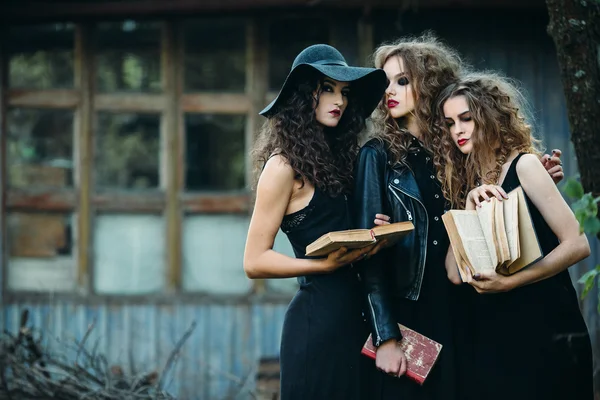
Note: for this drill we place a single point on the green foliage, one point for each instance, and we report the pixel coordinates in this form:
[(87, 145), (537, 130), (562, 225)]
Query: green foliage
[(585, 208)]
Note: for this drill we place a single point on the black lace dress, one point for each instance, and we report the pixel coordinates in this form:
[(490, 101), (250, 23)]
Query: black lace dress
[(531, 342), (323, 330)]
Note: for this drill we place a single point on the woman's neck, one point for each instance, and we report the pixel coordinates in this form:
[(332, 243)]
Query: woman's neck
[(410, 123), (490, 166)]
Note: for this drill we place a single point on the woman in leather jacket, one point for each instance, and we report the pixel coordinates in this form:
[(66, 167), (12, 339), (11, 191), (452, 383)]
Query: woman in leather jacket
[(396, 175)]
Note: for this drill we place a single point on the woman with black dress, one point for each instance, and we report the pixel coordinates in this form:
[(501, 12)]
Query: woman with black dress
[(530, 341), (396, 175), (306, 153)]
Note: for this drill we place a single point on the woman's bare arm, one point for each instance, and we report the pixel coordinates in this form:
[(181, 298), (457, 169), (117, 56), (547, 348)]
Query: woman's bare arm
[(273, 195), (542, 191)]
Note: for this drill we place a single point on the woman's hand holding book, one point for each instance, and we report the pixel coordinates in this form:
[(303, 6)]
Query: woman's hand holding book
[(484, 193)]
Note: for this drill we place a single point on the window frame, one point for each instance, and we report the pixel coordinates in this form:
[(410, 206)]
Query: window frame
[(171, 200)]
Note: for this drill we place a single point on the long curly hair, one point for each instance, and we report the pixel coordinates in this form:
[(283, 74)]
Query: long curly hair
[(430, 66), (500, 113), (321, 156)]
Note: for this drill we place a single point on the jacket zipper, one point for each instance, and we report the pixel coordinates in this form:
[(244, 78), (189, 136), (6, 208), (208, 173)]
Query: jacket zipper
[(426, 230), (410, 218), (378, 341)]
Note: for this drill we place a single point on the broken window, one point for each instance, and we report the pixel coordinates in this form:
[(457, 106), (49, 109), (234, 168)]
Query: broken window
[(129, 254), (215, 55), (128, 56), (40, 251), (215, 152), (213, 250), (127, 151), (39, 148), (41, 56)]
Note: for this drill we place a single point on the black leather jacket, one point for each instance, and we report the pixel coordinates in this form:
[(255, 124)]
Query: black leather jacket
[(395, 272)]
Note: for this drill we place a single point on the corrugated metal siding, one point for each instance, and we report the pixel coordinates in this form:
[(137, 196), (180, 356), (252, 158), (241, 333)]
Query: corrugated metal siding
[(230, 339), (218, 361)]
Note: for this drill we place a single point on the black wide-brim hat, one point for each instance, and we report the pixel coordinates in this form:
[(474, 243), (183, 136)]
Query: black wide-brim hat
[(367, 84)]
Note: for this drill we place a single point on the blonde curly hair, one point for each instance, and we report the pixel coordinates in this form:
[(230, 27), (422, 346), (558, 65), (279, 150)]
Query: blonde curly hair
[(500, 113), (430, 67)]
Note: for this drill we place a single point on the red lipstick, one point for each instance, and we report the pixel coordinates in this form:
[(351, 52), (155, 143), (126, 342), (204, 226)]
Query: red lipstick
[(461, 142), (392, 103), (335, 113)]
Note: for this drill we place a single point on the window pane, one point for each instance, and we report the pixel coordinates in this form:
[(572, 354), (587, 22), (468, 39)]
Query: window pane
[(215, 55), (41, 56), (128, 56), (213, 253), (127, 150), (290, 285), (40, 247), (215, 152), (129, 254), (287, 38), (39, 148)]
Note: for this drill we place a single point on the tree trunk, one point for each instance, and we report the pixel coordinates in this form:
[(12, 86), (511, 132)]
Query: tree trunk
[(575, 27)]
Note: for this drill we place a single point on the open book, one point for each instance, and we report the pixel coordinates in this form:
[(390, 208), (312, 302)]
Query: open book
[(358, 238), (500, 235)]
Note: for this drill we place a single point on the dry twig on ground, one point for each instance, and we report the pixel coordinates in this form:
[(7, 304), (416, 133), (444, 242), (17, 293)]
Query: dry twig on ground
[(30, 371)]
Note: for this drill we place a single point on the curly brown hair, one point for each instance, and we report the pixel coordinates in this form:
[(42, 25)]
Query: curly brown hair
[(321, 156), (430, 66), (500, 113)]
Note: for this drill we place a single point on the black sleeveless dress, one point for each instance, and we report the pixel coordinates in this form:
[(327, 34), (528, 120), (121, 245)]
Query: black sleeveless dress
[(531, 342), (323, 329)]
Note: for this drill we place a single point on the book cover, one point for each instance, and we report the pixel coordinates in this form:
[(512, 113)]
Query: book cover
[(421, 353), (358, 238)]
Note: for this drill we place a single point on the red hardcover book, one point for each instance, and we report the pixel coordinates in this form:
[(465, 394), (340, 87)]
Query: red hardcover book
[(421, 353)]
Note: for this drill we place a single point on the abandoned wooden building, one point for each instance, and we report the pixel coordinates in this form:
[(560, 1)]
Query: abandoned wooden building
[(125, 130)]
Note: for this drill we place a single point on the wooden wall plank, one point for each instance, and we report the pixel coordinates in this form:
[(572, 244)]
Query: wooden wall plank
[(236, 203), (43, 98), (140, 202), (132, 102), (3, 174), (129, 202), (172, 62), (84, 81), (41, 200), (216, 103), (48, 10), (257, 73), (366, 42)]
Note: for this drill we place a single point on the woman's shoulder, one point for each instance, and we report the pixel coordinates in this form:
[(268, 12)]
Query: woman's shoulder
[(531, 171), (374, 145), (277, 167), (528, 162)]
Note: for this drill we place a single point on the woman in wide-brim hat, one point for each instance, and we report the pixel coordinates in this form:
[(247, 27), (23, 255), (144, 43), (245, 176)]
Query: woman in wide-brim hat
[(305, 156)]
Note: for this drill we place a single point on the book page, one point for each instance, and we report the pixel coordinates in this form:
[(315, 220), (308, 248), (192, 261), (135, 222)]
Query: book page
[(473, 240), (511, 225), (393, 232), (457, 247), (528, 241), (500, 232), (332, 241), (393, 229), (485, 213)]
